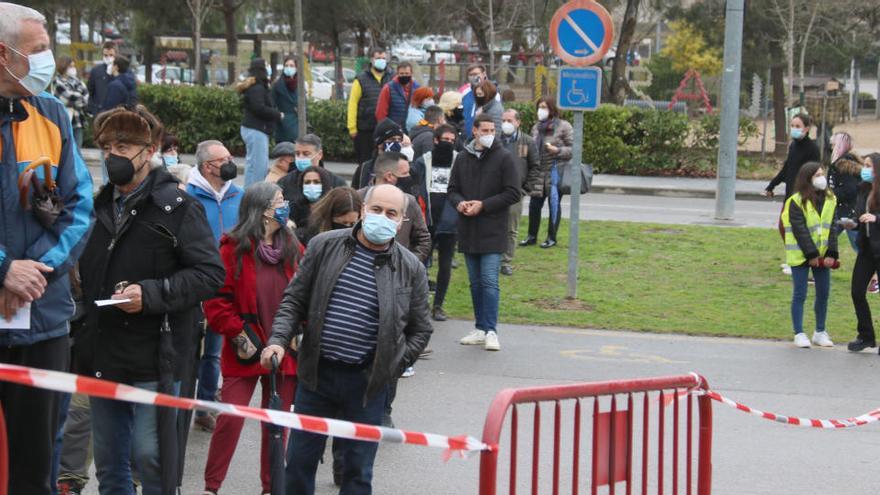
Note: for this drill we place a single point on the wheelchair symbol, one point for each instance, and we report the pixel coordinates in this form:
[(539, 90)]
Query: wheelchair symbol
[(576, 96)]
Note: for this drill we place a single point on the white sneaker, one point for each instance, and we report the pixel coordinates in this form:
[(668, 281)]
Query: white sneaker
[(785, 269), (822, 339), (801, 340), (492, 343), (476, 337), (410, 371)]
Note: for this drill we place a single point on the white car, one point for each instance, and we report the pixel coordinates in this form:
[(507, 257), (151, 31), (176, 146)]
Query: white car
[(162, 74), (403, 51), (328, 71)]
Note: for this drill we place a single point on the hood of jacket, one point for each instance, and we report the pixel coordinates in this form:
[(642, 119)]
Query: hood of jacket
[(849, 164), (472, 149), (127, 79), (197, 180), (420, 129), (244, 85)]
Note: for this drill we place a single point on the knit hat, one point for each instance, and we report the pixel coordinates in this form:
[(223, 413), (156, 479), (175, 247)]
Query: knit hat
[(284, 148), (257, 63), (385, 130)]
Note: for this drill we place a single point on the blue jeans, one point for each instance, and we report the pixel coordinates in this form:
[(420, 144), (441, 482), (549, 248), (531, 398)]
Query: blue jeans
[(124, 432), (485, 294), (59, 439), (209, 367), (257, 157), (799, 276), (340, 394)]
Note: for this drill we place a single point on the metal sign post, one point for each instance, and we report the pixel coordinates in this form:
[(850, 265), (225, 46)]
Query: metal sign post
[(581, 32)]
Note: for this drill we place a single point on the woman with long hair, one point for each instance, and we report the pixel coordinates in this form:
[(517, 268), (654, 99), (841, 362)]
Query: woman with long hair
[(844, 178), (810, 244), (338, 209), (867, 263), (72, 92), (260, 255), (554, 138)]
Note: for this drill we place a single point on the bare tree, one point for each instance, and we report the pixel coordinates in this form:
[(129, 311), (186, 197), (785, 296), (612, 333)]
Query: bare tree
[(228, 8), (199, 10), (619, 84)]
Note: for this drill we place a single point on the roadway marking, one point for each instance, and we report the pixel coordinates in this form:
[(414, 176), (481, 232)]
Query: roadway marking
[(617, 353)]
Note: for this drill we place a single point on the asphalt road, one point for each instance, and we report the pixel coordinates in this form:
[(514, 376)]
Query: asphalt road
[(451, 393)]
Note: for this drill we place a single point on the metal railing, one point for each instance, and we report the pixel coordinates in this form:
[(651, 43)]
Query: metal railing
[(618, 427)]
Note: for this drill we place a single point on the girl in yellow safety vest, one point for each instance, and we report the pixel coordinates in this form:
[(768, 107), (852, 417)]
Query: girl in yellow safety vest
[(810, 244)]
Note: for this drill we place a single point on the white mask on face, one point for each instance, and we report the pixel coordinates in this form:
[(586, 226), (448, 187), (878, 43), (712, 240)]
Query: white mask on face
[(543, 114), (409, 152), (108, 61), (428, 103), (508, 128), (487, 140), (820, 183), (70, 72)]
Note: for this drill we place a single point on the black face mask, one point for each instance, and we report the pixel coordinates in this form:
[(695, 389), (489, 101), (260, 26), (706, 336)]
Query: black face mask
[(404, 80), (442, 153), (228, 171), (405, 183), (458, 114), (338, 226), (481, 100), (120, 170)]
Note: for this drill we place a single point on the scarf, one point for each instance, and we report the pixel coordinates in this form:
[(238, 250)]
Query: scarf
[(546, 127), (268, 253), (290, 82)]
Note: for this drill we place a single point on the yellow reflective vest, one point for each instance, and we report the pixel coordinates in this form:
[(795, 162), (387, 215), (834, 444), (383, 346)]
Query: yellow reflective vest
[(819, 225)]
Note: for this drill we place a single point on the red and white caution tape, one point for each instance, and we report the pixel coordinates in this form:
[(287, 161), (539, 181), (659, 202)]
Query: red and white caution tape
[(864, 419), (70, 383)]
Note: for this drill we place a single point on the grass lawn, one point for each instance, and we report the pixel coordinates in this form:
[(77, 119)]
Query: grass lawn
[(662, 278)]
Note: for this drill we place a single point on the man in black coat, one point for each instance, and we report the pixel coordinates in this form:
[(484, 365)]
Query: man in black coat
[(100, 78), (153, 252), (483, 185)]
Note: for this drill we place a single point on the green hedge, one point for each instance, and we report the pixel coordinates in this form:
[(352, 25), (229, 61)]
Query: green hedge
[(620, 140)]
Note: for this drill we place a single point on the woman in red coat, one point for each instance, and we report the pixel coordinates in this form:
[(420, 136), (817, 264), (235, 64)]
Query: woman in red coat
[(260, 255)]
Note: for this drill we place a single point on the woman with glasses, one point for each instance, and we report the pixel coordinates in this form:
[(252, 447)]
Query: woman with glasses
[(260, 255)]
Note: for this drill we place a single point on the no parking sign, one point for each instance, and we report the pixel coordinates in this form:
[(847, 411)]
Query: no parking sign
[(581, 32)]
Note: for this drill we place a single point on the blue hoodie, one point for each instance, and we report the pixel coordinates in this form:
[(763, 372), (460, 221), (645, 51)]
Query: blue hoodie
[(122, 90), (39, 126), (222, 213)]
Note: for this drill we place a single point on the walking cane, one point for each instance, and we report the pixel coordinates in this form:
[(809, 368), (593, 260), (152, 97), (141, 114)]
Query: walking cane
[(276, 435)]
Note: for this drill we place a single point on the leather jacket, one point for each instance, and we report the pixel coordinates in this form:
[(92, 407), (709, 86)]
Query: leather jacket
[(404, 323)]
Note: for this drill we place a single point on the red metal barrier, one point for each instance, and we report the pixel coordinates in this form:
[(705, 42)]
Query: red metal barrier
[(613, 441)]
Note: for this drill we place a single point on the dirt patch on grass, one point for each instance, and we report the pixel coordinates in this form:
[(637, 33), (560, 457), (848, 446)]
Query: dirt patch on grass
[(663, 231), (561, 304)]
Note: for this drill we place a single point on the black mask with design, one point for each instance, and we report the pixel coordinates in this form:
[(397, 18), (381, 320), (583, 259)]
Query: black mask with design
[(338, 226), (442, 153), (228, 171), (120, 170)]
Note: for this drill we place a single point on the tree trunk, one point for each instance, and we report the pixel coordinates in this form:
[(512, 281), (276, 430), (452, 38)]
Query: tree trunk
[(804, 44), (75, 33), (197, 49), (148, 60), (618, 67), (475, 21), (229, 9), (780, 125), (789, 46), (51, 27), (337, 64)]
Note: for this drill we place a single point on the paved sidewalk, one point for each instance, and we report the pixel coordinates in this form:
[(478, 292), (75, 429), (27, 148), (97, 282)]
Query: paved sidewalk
[(602, 183)]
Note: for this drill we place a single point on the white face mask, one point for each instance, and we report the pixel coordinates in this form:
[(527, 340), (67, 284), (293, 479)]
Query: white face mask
[(508, 128), (543, 113), (428, 103), (108, 60), (409, 152), (820, 183), (487, 140), (41, 68), (70, 72)]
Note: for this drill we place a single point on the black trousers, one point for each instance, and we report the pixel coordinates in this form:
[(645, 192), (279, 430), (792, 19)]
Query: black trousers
[(535, 207), (363, 147), (445, 244), (32, 416), (864, 269)]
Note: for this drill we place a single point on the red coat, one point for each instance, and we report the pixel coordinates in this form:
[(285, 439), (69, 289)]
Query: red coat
[(238, 297)]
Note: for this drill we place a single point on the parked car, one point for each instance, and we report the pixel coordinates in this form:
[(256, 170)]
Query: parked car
[(405, 51), (162, 74), (328, 71)]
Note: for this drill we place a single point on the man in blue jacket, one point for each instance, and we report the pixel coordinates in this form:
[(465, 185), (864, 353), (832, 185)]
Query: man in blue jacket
[(100, 78), (211, 183), (35, 256)]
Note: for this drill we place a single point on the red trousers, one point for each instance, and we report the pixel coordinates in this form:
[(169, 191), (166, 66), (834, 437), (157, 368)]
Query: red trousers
[(238, 390)]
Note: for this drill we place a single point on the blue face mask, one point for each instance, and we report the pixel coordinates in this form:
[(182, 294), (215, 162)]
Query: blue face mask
[(302, 164), (380, 64), (379, 229), (42, 69), (797, 133), (282, 214), (312, 192), (290, 71), (170, 160), (867, 174), (393, 146)]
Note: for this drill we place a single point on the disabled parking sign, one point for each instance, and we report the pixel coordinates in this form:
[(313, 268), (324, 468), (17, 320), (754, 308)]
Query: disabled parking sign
[(579, 89), (581, 32)]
